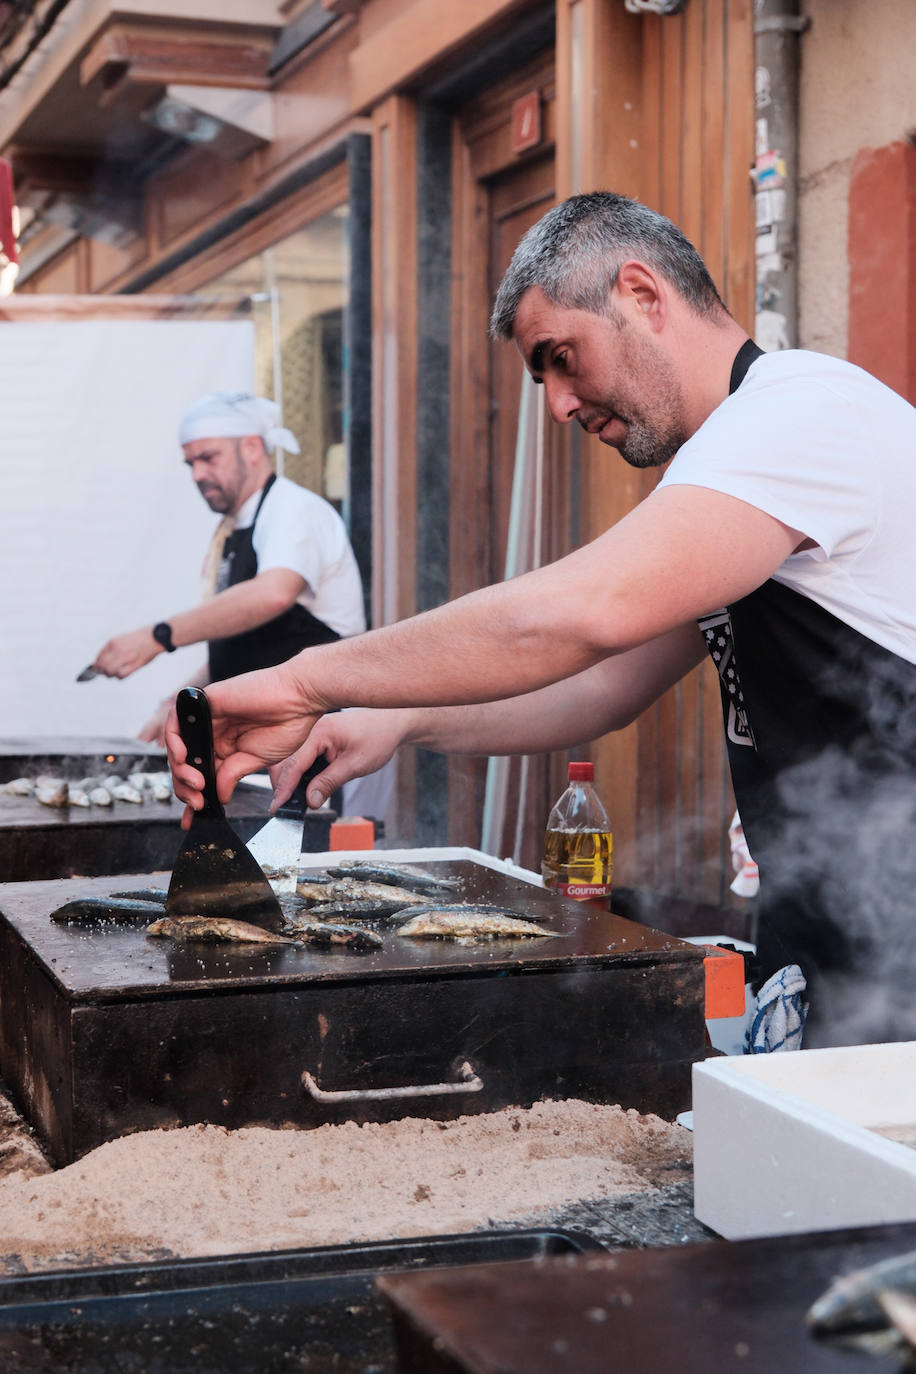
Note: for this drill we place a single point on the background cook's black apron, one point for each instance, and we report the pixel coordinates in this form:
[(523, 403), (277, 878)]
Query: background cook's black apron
[(277, 640), (821, 731)]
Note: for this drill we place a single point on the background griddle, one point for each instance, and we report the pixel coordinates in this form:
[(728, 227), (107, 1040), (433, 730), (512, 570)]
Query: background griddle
[(55, 842)]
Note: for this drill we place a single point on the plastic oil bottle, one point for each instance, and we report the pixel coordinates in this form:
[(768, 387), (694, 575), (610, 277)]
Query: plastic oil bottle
[(578, 857)]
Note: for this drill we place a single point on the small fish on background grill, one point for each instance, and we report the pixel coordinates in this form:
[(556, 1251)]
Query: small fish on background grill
[(51, 792), (872, 1309), (479, 922), (94, 791)]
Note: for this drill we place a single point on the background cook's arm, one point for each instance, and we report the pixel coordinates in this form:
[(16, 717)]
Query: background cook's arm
[(230, 612)]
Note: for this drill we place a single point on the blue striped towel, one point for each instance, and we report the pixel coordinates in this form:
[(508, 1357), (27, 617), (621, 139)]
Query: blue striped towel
[(778, 1021)]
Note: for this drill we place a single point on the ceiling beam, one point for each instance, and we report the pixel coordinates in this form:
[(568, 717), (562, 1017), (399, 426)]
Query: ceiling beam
[(131, 54)]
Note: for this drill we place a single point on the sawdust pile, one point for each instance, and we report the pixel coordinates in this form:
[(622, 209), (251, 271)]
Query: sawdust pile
[(204, 1190)]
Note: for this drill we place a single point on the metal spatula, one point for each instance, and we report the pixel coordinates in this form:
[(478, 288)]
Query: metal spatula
[(278, 845), (214, 874)]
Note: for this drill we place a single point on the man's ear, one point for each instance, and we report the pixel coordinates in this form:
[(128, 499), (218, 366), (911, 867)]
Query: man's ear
[(641, 289), (252, 449)]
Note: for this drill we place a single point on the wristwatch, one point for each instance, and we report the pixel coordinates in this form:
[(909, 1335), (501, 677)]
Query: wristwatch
[(162, 633)]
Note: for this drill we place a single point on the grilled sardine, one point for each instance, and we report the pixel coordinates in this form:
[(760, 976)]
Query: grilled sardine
[(854, 1302), (108, 910), (359, 909), (332, 933), (214, 928), (389, 873), (457, 922), (345, 890)]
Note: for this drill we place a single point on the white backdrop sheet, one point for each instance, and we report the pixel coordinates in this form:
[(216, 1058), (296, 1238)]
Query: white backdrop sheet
[(102, 530)]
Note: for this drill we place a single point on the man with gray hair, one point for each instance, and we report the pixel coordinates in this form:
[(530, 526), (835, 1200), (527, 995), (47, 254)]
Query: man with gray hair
[(280, 574), (778, 541)]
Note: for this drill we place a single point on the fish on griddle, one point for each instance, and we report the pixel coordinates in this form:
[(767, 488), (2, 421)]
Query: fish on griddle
[(394, 876), (470, 922), (144, 894), (219, 929), (314, 888), (291, 904), (108, 910), (346, 890), (225, 930), (359, 909), (329, 933), (874, 1308)]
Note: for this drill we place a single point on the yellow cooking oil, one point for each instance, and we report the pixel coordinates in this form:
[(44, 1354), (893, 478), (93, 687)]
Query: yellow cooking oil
[(579, 864), (578, 855)]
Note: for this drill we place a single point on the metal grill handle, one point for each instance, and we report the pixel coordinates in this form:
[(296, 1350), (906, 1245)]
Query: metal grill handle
[(468, 1082)]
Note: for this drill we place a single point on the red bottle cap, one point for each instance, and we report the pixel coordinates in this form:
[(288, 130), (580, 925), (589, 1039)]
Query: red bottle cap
[(581, 772)]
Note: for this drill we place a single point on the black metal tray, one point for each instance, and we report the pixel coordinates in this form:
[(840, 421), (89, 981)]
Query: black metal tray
[(271, 1313)]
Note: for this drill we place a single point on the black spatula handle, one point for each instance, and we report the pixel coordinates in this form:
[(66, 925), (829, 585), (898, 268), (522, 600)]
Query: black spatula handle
[(195, 726), (296, 805)]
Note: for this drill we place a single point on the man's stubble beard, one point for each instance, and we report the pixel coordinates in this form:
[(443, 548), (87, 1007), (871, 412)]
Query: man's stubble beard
[(223, 501), (652, 440)]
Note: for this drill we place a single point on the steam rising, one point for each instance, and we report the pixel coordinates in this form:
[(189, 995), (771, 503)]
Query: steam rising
[(846, 840)]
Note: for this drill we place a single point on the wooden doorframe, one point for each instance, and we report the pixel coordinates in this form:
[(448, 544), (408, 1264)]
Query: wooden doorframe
[(482, 152)]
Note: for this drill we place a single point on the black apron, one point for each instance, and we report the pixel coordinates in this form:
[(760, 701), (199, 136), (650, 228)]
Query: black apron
[(820, 724), (277, 640)]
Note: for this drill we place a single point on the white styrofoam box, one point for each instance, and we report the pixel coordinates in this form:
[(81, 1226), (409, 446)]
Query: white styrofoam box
[(782, 1141)]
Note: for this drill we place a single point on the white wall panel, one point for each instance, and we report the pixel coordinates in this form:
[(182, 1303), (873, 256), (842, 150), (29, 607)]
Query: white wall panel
[(101, 528)]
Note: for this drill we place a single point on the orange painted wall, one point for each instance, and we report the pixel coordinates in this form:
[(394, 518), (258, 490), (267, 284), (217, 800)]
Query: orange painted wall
[(882, 265)]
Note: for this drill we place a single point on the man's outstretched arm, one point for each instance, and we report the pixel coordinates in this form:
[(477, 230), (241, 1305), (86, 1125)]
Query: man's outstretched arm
[(231, 612), (580, 709), (682, 553)]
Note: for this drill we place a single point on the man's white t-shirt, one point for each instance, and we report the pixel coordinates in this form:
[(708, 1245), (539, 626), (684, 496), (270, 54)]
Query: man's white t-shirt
[(297, 529), (830, 451)]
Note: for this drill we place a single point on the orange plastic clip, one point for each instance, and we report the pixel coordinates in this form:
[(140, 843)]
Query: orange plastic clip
[(352, 832), (724, 982)]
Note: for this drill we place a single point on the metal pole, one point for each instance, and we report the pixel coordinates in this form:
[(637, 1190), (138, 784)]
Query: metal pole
[(777, 26), (276, 345)]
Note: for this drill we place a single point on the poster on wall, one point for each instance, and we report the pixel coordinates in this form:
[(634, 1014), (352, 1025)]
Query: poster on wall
[(103, 530)]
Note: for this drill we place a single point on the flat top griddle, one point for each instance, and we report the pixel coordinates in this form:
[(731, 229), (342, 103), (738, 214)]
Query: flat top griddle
[(91, 963)]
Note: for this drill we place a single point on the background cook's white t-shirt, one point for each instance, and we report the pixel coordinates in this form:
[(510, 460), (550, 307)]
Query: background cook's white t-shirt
[(299, 530)]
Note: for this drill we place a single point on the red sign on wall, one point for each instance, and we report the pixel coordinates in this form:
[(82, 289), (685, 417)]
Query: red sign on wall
[(7, 237), (526, 122)]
